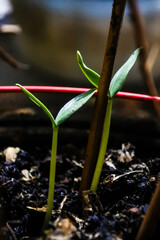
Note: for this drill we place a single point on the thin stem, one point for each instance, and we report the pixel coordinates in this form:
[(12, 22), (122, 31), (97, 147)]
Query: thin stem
[(51, 178), (103, 147)]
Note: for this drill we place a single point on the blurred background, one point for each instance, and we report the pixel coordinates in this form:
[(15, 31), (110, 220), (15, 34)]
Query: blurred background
[(43, 36)]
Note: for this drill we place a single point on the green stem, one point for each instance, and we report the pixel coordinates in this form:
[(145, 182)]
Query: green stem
[(51, 178), (103, 147)]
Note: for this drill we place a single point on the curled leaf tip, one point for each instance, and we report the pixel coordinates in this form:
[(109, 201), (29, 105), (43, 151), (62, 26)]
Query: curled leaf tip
[(19, 85), (91, 75), (79, 58)]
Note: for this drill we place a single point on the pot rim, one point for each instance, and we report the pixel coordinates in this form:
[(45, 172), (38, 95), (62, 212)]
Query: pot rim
[(76, 90)]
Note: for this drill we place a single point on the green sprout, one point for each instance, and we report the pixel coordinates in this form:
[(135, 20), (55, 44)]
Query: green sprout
[(115, 85), (65, 112)]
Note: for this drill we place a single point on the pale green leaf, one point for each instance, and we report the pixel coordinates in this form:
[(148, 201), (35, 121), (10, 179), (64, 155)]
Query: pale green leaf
[(38, 102), (91, 75), (73, 105), (120, 76)]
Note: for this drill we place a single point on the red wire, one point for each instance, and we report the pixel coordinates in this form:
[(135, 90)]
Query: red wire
[(75, 90)]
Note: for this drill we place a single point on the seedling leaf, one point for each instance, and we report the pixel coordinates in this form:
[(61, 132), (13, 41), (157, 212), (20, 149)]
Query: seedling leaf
[(73, 105), (38, 102), (120, 76), (91, 75)]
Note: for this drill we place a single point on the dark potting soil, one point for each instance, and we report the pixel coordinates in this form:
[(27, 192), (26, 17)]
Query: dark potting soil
[(114, 213)]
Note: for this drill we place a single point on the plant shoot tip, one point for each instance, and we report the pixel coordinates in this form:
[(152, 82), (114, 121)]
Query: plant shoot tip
[(79, 57)]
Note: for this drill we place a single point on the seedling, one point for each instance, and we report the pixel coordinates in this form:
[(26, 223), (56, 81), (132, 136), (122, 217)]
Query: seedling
[(115, 85), (66, 111), (72, 106)]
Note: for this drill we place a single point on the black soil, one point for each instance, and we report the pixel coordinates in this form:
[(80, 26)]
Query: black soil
[(115, 212)]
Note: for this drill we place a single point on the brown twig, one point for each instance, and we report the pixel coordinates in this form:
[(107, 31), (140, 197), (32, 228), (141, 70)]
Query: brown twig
[(141, 41), (151, 218), (11, 60), (101, 99)]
